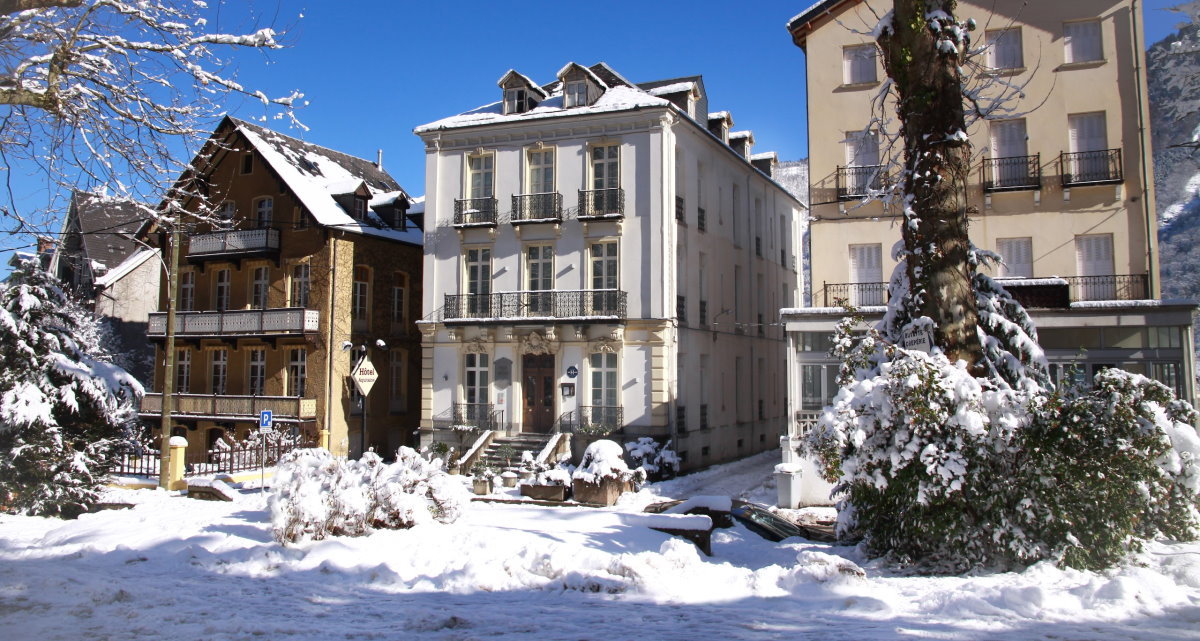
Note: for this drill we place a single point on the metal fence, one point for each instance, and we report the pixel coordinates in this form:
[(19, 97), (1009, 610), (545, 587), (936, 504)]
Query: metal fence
[(536, 304), (531, 207), (1013, 173), (1091, 167), (475, 211), (601, 202)]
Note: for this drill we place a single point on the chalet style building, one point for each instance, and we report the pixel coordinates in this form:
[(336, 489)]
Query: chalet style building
[(102, 264), (1061, 187), (605, 257), (309, 258)]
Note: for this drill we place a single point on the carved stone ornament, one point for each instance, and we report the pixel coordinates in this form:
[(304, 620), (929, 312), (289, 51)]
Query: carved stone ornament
[(509, 334), (536, 345), (580, 333), (604, 344), (476, 345), (454, 334)]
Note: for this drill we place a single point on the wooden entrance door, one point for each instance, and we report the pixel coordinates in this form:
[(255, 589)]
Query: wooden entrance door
[(538, 383)]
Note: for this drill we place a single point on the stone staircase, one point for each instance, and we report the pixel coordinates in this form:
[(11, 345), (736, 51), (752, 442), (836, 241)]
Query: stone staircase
[(520, 443)]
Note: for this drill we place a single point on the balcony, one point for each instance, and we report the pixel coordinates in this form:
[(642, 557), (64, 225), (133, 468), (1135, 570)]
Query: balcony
[(1091, 168), (601, 203), (681, 309), (287, 409), (607, 304), (475, 212), (1015, 173), (856, 294), (247, 322), (680, 209), (234, 243), (854, 183), (1059, 292), (537, 208)]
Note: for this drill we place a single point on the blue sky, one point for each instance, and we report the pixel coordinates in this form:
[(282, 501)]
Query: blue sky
[(371, 70)]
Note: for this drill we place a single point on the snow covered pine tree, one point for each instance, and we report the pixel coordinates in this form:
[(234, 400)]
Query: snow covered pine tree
[(968, 456), (65, 410)]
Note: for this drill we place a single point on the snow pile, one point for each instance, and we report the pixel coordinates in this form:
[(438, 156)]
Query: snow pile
[(602, 460), (318, 495)]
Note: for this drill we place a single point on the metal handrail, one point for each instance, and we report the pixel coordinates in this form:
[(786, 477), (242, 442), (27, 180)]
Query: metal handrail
[(858, 181), (858, 294)]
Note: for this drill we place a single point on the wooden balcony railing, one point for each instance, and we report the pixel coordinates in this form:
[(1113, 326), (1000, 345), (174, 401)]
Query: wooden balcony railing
[(233, 242), (229, 407), (248, 322)]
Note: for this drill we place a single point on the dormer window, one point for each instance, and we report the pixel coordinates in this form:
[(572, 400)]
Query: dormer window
[(360, 208), (518, 100), (575, 94)]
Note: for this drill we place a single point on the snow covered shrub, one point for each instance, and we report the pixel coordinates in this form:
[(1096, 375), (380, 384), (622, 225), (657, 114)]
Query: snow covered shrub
[(317, 495), (66, 412), (658, 460), (605, 460), (954, 471)]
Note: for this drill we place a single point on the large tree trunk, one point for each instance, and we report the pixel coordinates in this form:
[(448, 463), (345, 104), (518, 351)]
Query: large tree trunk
[(936, 160)]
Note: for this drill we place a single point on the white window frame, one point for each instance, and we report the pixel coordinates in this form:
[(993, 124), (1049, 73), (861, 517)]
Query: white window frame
[(603, 380), (219, 370), (301, 285), (540, 173), (221, 289), (360, 296), (1083, 41), (187, 291), (256, 371), (483, 167), (297, 372), (858, 64), (517, 100), (183, 371), (476, 378), (260, 287), (264, 211), (575, 93)]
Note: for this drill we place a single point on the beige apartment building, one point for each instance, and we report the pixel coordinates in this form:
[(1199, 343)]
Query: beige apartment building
[(313, 256), (1061, 185), (605, 257)]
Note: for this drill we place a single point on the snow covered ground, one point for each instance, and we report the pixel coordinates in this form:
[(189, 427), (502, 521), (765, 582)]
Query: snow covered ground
[(177, 568)]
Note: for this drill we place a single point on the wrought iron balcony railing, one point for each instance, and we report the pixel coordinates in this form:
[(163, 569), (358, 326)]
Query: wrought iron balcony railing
[(681, 309), (474, 211), (601, 203), (233, 242), (1115, 287), (536, 207), (284, 320), (680, 209), (229, 407), (1013, 173), (1091, 167), (857, 294), (585, 303), (593, 420), (857, 182)]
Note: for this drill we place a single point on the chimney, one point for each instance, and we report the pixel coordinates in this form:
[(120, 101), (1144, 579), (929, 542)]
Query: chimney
[(379, 159)]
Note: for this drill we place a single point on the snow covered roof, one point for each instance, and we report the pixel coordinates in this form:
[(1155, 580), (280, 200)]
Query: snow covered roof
[(734, 135), (128, 265), (721, 115), (619, 98), (316, 174), (675, 87), (804, 17), (107, 225), (766, 155)]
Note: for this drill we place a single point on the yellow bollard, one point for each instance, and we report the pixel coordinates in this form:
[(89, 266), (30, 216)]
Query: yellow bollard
[(175, 464)]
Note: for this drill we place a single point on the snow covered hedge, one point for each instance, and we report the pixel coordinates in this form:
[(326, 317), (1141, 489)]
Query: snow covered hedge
[(66, 412), (954, 471), (604, 459), (317, 495)]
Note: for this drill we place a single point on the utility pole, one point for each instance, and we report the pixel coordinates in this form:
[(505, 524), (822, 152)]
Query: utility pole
[(168, 389)]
